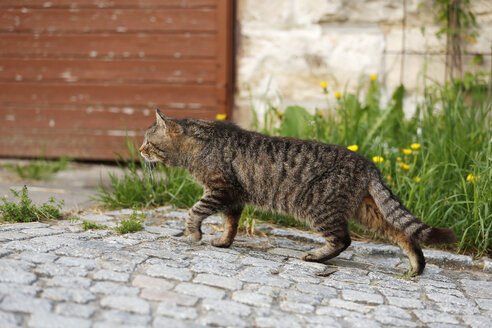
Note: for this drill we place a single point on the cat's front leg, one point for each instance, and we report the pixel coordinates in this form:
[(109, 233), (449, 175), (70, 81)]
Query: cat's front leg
[(231, 222), (209, 204)]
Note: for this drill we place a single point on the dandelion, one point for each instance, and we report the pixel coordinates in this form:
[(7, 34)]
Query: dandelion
[(388, 177), (472, 178), (280, 115), (417, 179), (407, 151), (320, 114), (338, 95), (398, 159), (353, 147), (373, 77), (323, 84), (404, 166), (415, 146), (378, 159), (221, 117)]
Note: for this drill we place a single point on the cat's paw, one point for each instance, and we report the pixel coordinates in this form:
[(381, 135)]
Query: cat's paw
[(313, 256), (220, 242), (193, 234)]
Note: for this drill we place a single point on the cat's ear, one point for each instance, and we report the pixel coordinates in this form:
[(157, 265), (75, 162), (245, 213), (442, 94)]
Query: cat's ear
[(160, 118)]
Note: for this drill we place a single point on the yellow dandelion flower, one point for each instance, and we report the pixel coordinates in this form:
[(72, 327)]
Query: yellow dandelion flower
[(320, 114), (472, 178), (378, 159), (388, 177), (338, 95), (407, 151), (398, 159), (373, 77), (417, 179), (280, 115), (404, 166), (415, 146), (323, 84), (353, 147), (221, 117)]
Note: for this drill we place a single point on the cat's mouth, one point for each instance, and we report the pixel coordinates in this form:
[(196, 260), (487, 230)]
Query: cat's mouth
[(147, 158)]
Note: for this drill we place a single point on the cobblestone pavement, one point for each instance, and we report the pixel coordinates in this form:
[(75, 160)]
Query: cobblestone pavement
[(58, 275)]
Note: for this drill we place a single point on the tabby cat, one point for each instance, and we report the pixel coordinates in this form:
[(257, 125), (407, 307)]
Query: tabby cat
[(321, 184)]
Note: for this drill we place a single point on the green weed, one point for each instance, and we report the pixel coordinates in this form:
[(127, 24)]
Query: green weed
[(132, 224), (39, 169), (88, 225), (26, 211)]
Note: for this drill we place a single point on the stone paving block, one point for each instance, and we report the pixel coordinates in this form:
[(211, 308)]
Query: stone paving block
[(406, 303), (286, 252), (75, 310), (477, 321), (315, 289), (356, 296), (199, 290), (37, 258), (321, 321), (110, 324), (297, 297), (68, 295), (164, 322), (431, 316), (168, 309), (50, 320), (81, 251), (350, 306), (484, 303), (144, 281), (163, 271), (298, 235), (252, 298), (394, 322), (177, 214), (87, 264), (99, 218), (38, 232), (14, 288), (356, 322), (126, 303), (218, 281), (221, 319), (12, 274), (123, 317), (163, 231), (70, 282), (111, 275), (286, 243), (477, 288), (365, 249), (168, 296), (113, 288), (278, 321), (117, 266), (432, 255), (336, 312), (25, 304), (8, 320), (218, 267), (255, 261), (235, 308), (54, 269), (295, 307), (263, 276), (391, 292)]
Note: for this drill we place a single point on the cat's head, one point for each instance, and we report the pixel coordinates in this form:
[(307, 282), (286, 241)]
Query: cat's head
[(163, 141)]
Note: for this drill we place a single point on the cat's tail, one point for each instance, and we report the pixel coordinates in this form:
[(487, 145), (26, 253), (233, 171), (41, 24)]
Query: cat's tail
[(396, 214)]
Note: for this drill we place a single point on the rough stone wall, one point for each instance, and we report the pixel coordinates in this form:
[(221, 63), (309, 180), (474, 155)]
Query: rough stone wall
[(286, 47)]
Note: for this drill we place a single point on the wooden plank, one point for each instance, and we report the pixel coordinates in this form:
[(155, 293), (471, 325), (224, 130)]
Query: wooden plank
[(108, 45), (225, 53), (116, 71), (79, 4), (151, 95), (91, 118), (97, 20)]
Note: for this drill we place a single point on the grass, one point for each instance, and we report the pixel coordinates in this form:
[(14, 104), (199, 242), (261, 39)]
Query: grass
[(132, 224), (89, 225), (39, 169), (26, 211)]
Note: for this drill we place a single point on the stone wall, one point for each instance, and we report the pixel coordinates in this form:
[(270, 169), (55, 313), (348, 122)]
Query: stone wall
[(286, 47)]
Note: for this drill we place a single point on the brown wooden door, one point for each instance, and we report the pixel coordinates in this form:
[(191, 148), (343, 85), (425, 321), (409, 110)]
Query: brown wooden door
[(77, 75)]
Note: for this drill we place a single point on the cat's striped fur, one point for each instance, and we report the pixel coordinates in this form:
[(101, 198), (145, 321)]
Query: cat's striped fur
[(324, 185)]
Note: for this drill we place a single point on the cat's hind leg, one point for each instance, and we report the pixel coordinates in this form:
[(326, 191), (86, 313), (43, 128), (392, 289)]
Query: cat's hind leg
[(370, 216), (335, 230), (231, 221)]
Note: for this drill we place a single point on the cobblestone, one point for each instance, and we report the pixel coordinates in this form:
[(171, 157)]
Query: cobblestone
[(57, 275)]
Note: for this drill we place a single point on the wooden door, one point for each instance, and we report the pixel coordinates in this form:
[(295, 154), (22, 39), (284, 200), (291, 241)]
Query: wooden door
[(77, 76)]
